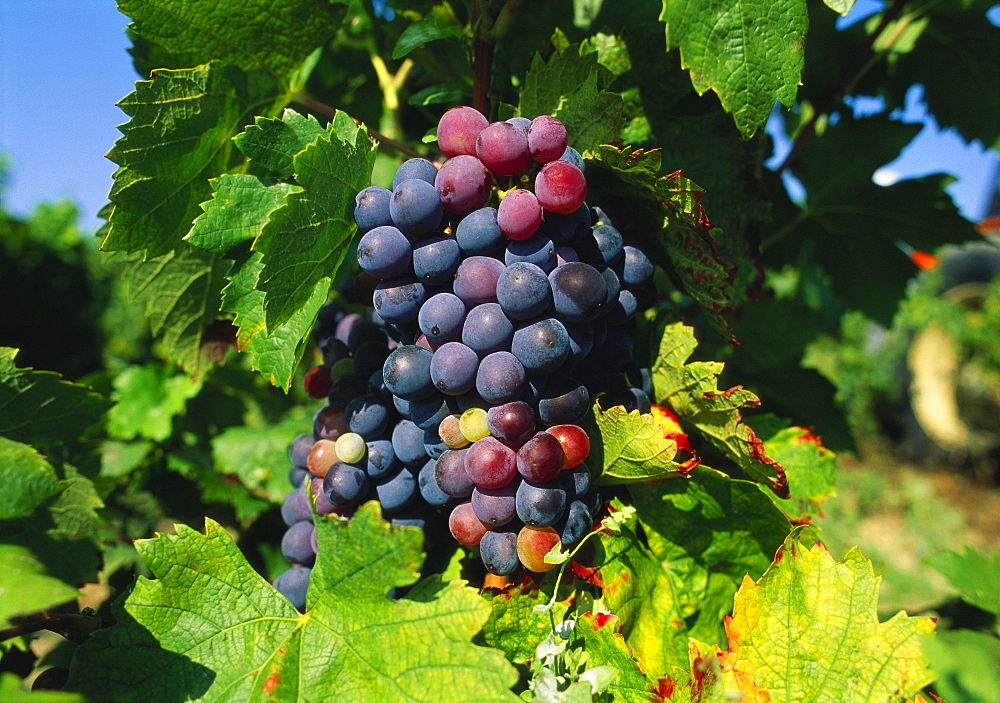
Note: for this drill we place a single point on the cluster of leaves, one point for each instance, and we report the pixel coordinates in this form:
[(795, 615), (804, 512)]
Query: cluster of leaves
[(230, 219)]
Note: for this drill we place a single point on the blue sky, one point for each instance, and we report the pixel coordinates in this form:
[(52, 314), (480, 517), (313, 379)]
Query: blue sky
[(64, 64)]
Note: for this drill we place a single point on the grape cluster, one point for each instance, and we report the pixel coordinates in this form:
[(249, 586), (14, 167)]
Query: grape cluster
[(492, 330)]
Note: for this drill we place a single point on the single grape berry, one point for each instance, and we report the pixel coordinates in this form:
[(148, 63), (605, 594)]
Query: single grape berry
[(519, 214), (546, 139), (457, 131), (560, 187), (503, 148)]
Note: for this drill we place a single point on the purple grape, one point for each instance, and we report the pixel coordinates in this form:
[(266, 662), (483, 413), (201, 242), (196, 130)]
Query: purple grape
[(500, 378), (407, 372), (560, 187), (453, 368), (415, 168), (463, 184), (449, 472), (546, 139), (296, 544), (398, 300), (398, 490), (539, 504), (371, 208), (476, 280), (415, 208), (541, 346), (503, 148), (523, 291), (293, 585), (384, 252), (441, 318), (487, 329), (513, 423), (408, 443), (519, 214), (457, 131), (538, 250), (496, 506), (478, 234), (579, 291)]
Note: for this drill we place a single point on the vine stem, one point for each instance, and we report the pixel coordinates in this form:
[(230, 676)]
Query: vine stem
[(842, 84), (482, 59), (325, 109)]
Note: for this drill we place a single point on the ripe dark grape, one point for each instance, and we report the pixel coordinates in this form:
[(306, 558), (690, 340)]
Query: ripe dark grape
[(476, 280), (503, 148), (581, 339), (564, 401), (453, 368), (490, 463), (576, 481), (540, 459), (436, 259), (398, 490), (293, 585), (328, 422), (362, 332), (495, 506), (415, 208), (298, 450), (323, 505), (478, 234), (623, 309), (541, 346), (345, 484), (408, 443), (441, 317), (370, 357), (407, 372), (295, 508), (638, 269), (575, 523), (367, 416), (579, 291), (415, 168), (560, 187), (520, 122), (500, 378), (519, 214), (449, 472), (296, 475), (513, 423), (381, 458), (296, 545), (610, 246), (384, 252), (573, 156), (434, 445), (317, 381), (546, 139), (429, 488), (428, 412), (538, 250), (487, 329), (457, 131), (523, 291), (540, 504), (398, 300), (463, 184), (498, 549), (371, 208)]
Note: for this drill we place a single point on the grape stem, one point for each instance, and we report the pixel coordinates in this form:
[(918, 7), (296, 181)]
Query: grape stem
[(324, 109)]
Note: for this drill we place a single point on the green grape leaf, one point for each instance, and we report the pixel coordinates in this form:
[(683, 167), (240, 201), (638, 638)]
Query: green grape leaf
[(691, 390), (605, 646), (687, 236), (148, 398), (572, 86), (179, 136), (975, 576), (749, 52), (237, 212), (258, 455), (173, 632), (647, 598), (74, 511), (513, 626), (966, 664), (438, 24), (633, 447), (840, 6), (306, 240), (26, 479), (808, 630), (275, 354), (39, 408), (276, 35), (179, 293), (273, 143), (708, 531), (811, 467), (11, 692)]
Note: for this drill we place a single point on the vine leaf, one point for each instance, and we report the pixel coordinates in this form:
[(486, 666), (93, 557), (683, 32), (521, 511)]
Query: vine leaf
[(237, 212), (811, 467), (277, 35), (11, 691), (572, 86), (147, 400), (808, 630), (691, 390), (273, 143), (179, 292), (179, 135), (687, 236), (749, 52), (306, 239), (276, 353), (708, 531), (633, 447), (27, 479), (438, 24), (176, 634), (25, 587), (513, 626), (973, 574), (39, 408), (602, 640)]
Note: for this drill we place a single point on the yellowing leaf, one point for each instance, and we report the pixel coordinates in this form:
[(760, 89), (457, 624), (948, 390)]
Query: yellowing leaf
[(634, 447), (808, 631)]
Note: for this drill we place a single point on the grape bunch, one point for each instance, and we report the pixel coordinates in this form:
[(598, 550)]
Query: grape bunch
[(460, 391)]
